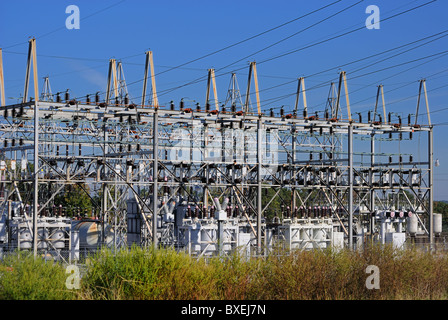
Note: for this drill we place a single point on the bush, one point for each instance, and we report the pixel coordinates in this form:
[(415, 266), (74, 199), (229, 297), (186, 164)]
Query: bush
[(141, 273), (164, 274), (24, 278)]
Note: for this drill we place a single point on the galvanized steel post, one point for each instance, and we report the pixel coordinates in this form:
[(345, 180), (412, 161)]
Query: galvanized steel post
[(372, 191), (259, 203), (33, 57), (36, 176), (350, 182), (155, 207), (430, 190)]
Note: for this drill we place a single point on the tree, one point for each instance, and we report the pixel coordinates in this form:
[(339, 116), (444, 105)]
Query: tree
[(75, 199), (442, 207)]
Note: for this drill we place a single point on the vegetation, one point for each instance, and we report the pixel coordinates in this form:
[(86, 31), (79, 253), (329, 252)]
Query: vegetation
[(442, 207), (141, 273), (24, 278), (75, 199)]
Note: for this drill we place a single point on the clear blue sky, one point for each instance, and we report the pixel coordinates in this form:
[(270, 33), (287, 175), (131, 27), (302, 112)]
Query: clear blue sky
[(180, 31)]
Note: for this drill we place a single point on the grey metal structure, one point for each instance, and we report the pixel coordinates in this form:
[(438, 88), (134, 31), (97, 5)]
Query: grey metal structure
[(276, 171)]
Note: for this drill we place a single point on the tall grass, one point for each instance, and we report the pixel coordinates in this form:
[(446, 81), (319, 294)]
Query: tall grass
[(147, 274), (22, 277), (140, 273), (165, 274)]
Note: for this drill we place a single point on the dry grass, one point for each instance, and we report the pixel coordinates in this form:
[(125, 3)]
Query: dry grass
[(165, 274), (24, 278), (300, 275)]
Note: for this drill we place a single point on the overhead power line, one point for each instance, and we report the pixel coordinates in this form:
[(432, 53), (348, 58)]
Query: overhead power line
[(238, 43), (305, 47), (63, 27)]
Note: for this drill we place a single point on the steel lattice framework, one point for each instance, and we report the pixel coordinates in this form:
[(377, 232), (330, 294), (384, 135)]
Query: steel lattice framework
[(305, 165)]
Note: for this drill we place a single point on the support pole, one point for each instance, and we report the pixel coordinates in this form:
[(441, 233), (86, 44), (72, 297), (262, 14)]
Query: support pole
[(330, 101), (207, 169), (27, 73), (246, 103), (211, 81), (115, 78), (301, 87), (259, 203), (372, 191), (427, 104), (2, 81), (338, 97), (380, 91), (350, 182), (155, 207), (36, 177), (155, 101), (104, 209), (430, 190), (207, 93), (422, 86), (293, 168), (215, 93), (145, 78), (111, 76), (32, 57), (346, 97), (418, 101), (104, 179), (384, 104), (252, 69), (257, 92), (233, 94), (343, 81)]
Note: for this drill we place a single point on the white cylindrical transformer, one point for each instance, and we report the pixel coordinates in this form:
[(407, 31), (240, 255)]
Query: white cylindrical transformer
[(25, 238), (91, 235), (412, 224), (437, 223), (58, 238)]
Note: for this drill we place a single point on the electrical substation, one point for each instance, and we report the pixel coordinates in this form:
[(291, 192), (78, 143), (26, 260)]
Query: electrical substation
[(214, 178)]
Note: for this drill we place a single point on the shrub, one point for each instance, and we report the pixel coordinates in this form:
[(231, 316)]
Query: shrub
[(22, 277), (141, 273), (164, 274)]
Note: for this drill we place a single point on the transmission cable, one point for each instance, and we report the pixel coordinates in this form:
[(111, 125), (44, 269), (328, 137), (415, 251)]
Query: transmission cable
[(61, 28), (311, 45), (237, 43)]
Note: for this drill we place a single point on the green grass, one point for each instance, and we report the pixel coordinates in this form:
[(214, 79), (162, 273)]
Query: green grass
[(164, 274), (24, 278), (147, 274)]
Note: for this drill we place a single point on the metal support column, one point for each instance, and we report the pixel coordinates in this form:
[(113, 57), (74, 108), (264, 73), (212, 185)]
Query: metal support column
[(211, 82), (33, 56), (372, 191), (259, 203), (155, 204), (293, 169), (155, 101), (104, 185), (36, 177), (430, 190), (145, 79), (350, 182), (2, 81)]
